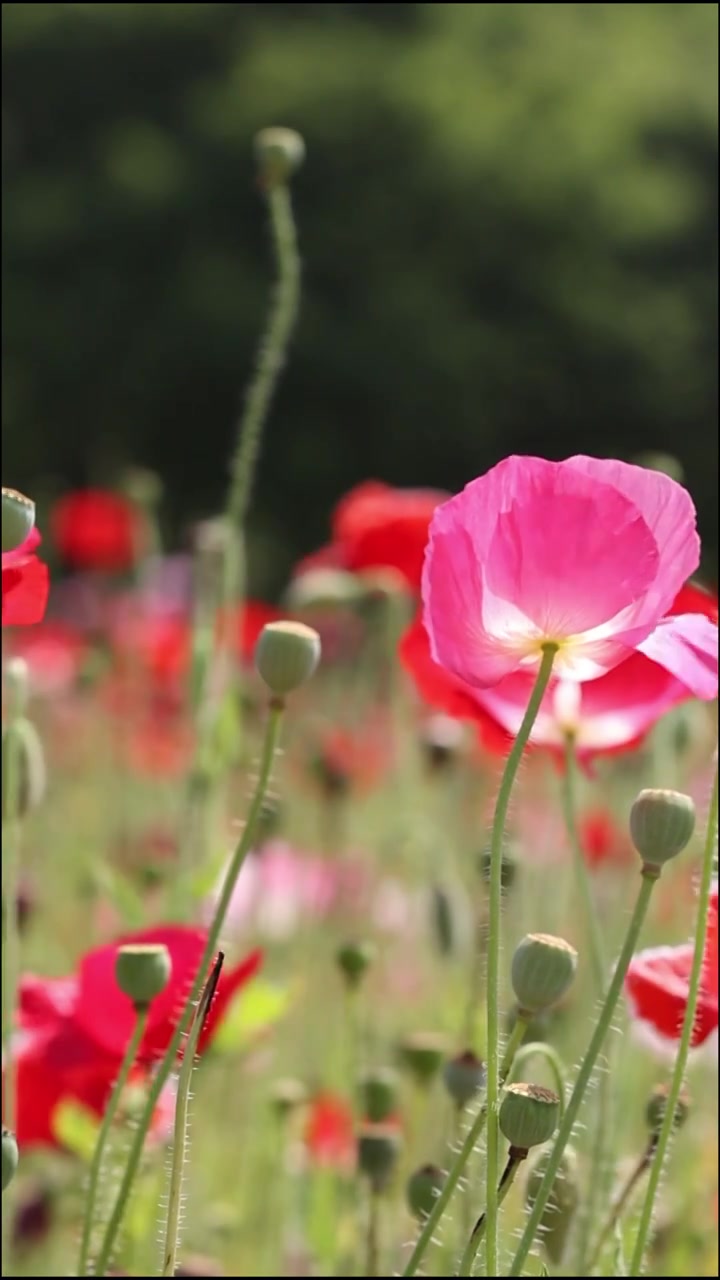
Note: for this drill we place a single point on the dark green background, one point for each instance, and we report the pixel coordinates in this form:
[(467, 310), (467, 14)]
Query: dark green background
[(508, 218)]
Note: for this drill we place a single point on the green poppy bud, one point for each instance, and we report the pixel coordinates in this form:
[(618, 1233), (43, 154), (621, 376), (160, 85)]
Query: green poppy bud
[(423, 1188), (528, 1115), (379, 1094), (378, 1149), (661, 824), (464, 1076), (142, 972), (543, 968), (286, 656), (18, 519)]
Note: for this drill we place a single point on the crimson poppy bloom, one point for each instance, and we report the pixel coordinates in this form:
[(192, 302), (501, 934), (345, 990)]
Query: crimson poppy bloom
[(378, 527), (612, 713), (97, 529), (657, 983), (330, 1133), (25, 584), (73, 1031)]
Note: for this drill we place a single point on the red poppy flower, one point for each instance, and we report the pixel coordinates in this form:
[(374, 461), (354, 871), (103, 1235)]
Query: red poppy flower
[(656, 987), (608, 714), (378, 527), (54, 652), (330, 1133), (25, 584), (96, 529), (602, 840), (107, 1015)]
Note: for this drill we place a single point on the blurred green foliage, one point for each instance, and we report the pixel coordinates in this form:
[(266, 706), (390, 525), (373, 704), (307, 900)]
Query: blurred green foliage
[(508, 218)]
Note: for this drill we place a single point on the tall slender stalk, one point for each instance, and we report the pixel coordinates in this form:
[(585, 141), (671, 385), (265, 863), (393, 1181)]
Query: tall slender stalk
[(685, 1036), (165, 1067), (478, 1231), (141, 1017), (586, 1069), (493, 951), (462, 1157), (180, 1128)]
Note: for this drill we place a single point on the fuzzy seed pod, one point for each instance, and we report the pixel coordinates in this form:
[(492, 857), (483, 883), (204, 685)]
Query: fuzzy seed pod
[(661, 824), (657, 1106), (464, 1076), (423, 1188), (142, 971), (543, 968), (528, 1115), (286, 656)]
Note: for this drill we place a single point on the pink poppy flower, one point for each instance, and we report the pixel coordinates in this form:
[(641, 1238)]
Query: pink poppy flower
[(25, 584), (612, 713), (656, 988), (54, 652), (588, 554)]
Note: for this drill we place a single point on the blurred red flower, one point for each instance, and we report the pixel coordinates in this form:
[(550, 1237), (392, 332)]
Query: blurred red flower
[(602, 839), (74, 1031), (330, 1132), (25, 584), (376, 526), (657, 983), (54, 652), (97, 529)]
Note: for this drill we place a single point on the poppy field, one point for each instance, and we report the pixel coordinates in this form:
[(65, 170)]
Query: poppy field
[(371, 930)]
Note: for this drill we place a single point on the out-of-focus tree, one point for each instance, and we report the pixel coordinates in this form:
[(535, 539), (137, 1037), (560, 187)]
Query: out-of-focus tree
[(508, 219)]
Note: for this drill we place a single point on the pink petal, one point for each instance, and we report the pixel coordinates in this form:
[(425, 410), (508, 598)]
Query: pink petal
[(686, 646)]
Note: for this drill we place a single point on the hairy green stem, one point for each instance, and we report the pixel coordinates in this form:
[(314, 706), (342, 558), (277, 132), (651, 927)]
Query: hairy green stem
[(586, 1069), (12, 830), (618, 1208), (493, 951), (141, 1017), (462, 1157), (685, 1036), (538, 1049), (180, 1127), (603, 1129), (165, 1067), (478, 1231)]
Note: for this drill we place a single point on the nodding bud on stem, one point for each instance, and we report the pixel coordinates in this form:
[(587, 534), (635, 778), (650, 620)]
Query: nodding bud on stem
[(423, 1188), (379, 1094), (657, 1106), (423, 1054), (279, 153), (661, 825), (378, 1149), (18, 519), (353, 961), (142, 972), (286, 656), (286, 1096), (23, 769), (543, 969), (464, 1076), (528, 1116), (562, 1203), (9, 1157)]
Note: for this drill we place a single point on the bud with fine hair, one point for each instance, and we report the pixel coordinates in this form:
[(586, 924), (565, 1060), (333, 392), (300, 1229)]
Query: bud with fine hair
[(286, 656), (379, 1094), (464, 1076), (661, 825), (18, 519), (279, 153), (528, 1115), (422, 1190), (142, 971), (657, 1106), (543, 969)]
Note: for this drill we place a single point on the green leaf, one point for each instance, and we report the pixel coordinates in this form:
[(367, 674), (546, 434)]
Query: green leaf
[(252, 1013), (76, 1128)]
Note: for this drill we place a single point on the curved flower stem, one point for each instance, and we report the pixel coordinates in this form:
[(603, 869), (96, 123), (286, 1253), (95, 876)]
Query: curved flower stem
[(618, 1208), (478, 1231), (462, 1157), (11, 846), (538, 1049), (586, 1070), (685, 1036), (180, 1128), (165, 1067), (602, 1139), (493, 951), (141, 1017), (582, 878)]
